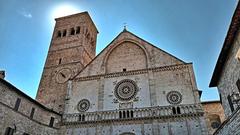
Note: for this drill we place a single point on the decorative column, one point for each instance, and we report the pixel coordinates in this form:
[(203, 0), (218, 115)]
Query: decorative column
[(152, 89), (101, 94)]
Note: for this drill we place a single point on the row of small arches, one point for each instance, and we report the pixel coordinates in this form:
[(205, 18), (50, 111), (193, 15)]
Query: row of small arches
[(130, 114), (125, 114), (72, 31), (176, 110)]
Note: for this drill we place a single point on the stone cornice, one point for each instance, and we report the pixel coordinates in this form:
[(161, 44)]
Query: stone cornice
[(134, 72)]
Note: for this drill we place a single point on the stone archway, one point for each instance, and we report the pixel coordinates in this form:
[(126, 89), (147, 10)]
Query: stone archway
[(127, 133), (126, 56)]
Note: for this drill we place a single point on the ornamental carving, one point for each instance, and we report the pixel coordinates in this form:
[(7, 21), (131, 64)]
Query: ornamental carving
[(174, 97), (83, 105), (126, 90)]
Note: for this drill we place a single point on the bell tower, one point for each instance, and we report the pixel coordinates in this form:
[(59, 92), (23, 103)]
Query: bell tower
[(72, 47)]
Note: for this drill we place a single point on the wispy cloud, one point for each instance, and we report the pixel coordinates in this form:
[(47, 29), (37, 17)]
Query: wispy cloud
[(25, 13)]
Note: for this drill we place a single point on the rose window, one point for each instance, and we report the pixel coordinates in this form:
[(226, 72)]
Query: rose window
[(174, 97), (126, 90), (83, 105)]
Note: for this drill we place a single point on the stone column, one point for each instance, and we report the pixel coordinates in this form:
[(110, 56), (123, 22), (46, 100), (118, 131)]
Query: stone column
[(68, 96), (101, 94), (152, 89)]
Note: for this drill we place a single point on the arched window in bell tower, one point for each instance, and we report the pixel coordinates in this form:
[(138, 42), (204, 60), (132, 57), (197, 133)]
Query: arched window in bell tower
[(78, 30), (64, 33), (59, 34), (72, 32)]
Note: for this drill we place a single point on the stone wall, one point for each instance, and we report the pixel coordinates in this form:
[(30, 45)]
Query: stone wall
[(20, 118), (230, 75), (172, 126), (214, 115), (154, 86), (231, 125)]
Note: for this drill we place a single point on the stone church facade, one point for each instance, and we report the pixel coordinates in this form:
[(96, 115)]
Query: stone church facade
[(130, 88)]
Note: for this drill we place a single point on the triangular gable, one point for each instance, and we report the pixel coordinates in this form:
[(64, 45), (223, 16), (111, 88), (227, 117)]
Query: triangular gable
[(154, 55)]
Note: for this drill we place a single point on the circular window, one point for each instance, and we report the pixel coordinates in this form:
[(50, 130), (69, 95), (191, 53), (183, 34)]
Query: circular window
[(83, 105), (215, 124), (126, 90), (174, 97)]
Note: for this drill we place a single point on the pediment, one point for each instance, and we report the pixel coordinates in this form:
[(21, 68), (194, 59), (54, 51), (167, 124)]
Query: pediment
[(128, 52)]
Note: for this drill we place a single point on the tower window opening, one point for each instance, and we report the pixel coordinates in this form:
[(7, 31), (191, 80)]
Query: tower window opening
[(124, 69), (78, 30), (60, 61), (64, 33), (59, 34), (72, 31)]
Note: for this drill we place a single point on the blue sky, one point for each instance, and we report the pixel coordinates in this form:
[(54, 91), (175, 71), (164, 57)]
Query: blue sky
[(192, 30)]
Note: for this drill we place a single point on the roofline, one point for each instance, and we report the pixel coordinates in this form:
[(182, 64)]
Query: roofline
[(208, 102), (156, 47), (26, 96), (114, 40), (230, 37), (69, 16), (95, 57)]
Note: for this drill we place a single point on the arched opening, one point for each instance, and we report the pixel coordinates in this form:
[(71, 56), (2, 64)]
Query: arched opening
[(174, 110), (131, 114), (60, 61), (124, 57), (79, 118), (128, 114), (59, 34), (72, 31), (64, 33), (178, 110), (83, 117), (78, 30), (215, 121), (124, 114), (120, 114)]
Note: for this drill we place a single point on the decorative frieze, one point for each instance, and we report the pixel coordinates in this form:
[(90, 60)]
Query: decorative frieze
[(134, 72)]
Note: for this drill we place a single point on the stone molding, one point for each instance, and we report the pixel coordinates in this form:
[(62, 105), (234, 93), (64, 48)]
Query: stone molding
[(134, 72), (62, 65)]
